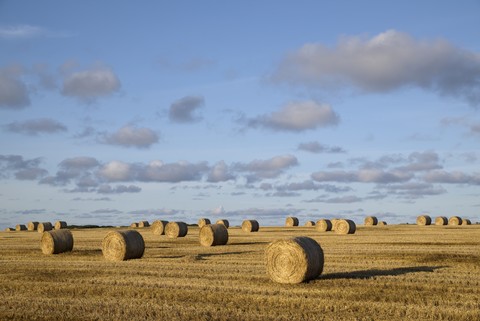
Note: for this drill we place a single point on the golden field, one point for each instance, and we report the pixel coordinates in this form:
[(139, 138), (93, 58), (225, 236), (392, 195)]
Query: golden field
[(394, 272)]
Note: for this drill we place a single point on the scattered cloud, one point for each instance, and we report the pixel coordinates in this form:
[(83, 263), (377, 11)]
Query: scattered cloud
[(22, 169), (21, 32), (13, 92), (362, 176), (183, 110), (296, 117), (316, 147), (131, 136), (269, 168), (453, 177), (119, 189), (383, 63), (220, 173), (35, 127)]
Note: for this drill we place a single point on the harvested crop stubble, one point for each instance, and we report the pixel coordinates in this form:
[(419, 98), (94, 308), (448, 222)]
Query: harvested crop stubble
[(424, 220), (44, 226), (134, 224), (345, 227), (455, 220), (371, 220), (32, 226), (158, 227), (250, 226), (203, 221), (213, 234), (60, 224), (291, 221), (20, 227), (176, 229), (309, 223), (143, 224), (123, 245), (441, 220), (323, 225), (294, 260), (58, 241), (224, 222), (466, 221)]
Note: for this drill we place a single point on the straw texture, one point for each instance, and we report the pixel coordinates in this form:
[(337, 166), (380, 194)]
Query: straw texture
[(176, 229), (345, 227), (158, 227), (123, 245)]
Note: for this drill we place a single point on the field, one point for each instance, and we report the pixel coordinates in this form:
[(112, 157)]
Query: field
[(395, 272)]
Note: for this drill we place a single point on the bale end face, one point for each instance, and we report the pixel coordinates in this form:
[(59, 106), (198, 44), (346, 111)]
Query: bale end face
[(158, 227), (345, 227), (203, 221), (123, 245)]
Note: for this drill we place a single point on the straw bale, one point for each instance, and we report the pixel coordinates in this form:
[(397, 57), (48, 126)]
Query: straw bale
[(203, 221), (291, 221), (60, 225), (424, 220), (213, 234), (158, 227), (123, 245), (44, 226), (455, 220), (250, 226), (224, 222), (371, 220), (176, 229), (441, 220), (58, 241), (323, 225), (32, 226), (345, 227)]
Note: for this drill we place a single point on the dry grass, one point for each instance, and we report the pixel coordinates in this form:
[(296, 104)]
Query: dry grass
[(398, 272)]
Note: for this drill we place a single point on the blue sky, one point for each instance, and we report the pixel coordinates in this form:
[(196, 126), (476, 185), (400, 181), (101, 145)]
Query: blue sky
[(115, 112)]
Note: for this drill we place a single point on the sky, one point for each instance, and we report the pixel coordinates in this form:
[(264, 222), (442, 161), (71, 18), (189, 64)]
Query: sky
[(113, 112)]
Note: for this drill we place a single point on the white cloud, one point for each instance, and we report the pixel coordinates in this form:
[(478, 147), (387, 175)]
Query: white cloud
[(183, 110), (316, 147), (116, 171), (158, 171), (36, 126), (131, 136), (268, 168), (297, 116), (220, 173), (453, 177), (21, 31), (362, 176), (385, 62)]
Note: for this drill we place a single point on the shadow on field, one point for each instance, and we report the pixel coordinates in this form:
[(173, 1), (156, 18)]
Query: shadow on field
[(248, 243), (368, 274)]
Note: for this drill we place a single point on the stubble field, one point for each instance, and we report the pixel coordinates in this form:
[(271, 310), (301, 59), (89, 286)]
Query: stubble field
[(395, 272)]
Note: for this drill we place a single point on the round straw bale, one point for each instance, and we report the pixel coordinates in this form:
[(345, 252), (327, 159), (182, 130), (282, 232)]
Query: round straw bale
[(9, 229), (455, 220), (309, 223), (32, 226), (213, 234), (383, 223), (60, 225), (250, 226), (44, 226), (291, 221), (203, 221), (371, 220), (123, 245), (345, 227), (441, 220), (466, 221), (134, 224), (224, 222), (58, 241), (143, 224), (334, 223), (20, 227), (158, 227), (176, 229), (294, 260), (424, 220), (323, 225)]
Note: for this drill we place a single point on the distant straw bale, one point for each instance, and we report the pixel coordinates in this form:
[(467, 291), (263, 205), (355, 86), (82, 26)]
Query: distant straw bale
[(309, 223), (143, 224), (455, 220), (60, 225), (134, 224), (441, 220), (371, 220), (123, 245), (203, 221), (58, 241), (20, 227), (334, 223), (32, 226), (176, 229), (291, 221), (382, 223), (158, 227), (44, 226), (345, 227), (213, 234), (424, 220), (224, 222), (250, 226), (466, 221), (9, 229), (294, 260), (323, 225)]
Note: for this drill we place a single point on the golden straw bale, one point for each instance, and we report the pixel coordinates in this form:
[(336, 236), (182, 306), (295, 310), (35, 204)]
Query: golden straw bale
[(20, 227), (44, 226), (224, 222), (176, 229), (9, 229), (58, 241), (134, 224), (309, 223), (345, 227), (441, 220), (60, 225), (334, 223), (203, 221), (123, 245), (323, 225), (250, 226), (294, 260), (382, 223), (32, 226), (455, 220), (158, 227), (291, 221), (213, 234), (424, 220), (143, 224), (466, 221), (371, 220)]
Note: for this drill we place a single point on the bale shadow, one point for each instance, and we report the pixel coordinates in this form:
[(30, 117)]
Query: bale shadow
[(368, 274), (248, 243), (202, 256)]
